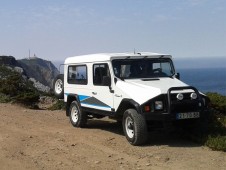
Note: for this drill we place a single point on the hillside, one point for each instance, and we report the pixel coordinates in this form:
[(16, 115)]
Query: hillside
[(42, 71)]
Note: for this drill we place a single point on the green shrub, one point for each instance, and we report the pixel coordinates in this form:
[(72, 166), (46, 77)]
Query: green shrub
[(4, 98), (27, 97), (216, 136), (216, 142), (16, 88), (218, 102)]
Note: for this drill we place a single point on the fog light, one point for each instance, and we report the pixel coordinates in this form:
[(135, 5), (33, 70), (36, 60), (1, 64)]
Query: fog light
[(193, 96), (158, 105), (180, 96)]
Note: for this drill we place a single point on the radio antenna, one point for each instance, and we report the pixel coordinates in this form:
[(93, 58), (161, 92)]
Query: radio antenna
[(134, 51)]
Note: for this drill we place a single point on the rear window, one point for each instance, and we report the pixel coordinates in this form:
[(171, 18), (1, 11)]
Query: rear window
[(77, 74)]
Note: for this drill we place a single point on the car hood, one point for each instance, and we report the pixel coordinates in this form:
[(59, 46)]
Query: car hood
[(142, 90)]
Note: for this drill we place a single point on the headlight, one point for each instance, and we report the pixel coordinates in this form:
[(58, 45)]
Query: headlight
[(193, 96), (158, 105), (180, 96)]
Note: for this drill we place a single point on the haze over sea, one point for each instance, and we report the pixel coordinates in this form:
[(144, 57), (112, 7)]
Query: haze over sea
[(205, 79), (207, 74)]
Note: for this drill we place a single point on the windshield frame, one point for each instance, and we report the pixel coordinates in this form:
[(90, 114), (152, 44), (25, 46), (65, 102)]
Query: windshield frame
[(119, 64)]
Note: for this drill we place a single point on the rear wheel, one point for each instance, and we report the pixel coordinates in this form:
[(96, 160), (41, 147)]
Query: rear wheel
[(134, 127), (58, 86), (77, 117)]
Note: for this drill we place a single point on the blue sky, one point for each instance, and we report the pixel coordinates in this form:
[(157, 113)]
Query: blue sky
[(56, 29)]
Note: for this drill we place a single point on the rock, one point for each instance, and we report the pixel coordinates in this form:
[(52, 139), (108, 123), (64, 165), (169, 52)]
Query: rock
[(166, 159), (39, 86), (60, 163), (157, 157), (97, 162), (8, 60), (19, 70)]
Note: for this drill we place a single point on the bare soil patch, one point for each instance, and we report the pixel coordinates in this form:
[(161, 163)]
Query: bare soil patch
[(41, 139)]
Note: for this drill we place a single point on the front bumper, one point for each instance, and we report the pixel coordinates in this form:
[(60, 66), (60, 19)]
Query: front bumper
[(173, 106)]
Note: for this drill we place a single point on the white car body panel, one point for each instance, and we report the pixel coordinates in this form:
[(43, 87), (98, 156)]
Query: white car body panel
[(142, 91)]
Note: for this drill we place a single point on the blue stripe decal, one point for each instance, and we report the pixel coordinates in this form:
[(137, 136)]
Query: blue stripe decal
[(82, 97), (95, 105)]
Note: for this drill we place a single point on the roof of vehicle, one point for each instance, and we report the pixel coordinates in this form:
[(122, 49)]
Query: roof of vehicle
[(110, 56)]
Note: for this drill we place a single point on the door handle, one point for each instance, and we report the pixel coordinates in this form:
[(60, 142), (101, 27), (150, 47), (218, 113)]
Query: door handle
[(94, 93), (117, 95)]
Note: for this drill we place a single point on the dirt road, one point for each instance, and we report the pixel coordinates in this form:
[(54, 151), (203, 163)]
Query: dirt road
[(40, 139)]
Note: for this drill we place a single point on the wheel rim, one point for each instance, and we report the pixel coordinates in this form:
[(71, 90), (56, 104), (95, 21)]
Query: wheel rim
[(129, 127), (59, 86), (74, 114)]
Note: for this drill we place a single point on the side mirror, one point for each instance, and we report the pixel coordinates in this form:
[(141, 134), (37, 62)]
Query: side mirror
[(106, 81), (177, 76)]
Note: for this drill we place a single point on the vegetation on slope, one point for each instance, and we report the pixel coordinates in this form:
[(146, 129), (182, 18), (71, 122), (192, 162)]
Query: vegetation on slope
[(216, 138), (14, 87)]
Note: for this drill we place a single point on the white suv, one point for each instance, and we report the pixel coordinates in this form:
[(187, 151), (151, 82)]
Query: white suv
[(138, 89)]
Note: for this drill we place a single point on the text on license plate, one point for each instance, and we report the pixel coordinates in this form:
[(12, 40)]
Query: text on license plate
[(188, 115)]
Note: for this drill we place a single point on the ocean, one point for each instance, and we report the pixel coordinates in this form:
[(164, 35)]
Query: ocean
[(205, 79)]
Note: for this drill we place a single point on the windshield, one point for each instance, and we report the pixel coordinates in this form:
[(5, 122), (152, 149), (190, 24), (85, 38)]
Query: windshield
[(143, 68)]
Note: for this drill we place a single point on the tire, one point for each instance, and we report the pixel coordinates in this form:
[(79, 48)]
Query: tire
[(77, 117), (134, 127), (58, 86)]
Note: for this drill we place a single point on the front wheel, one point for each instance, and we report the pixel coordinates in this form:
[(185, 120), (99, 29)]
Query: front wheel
[(134, 127), (77, 117)]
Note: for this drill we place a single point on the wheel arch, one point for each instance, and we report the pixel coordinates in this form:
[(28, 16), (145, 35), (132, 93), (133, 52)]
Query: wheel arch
[(70, 99), (128, 104)]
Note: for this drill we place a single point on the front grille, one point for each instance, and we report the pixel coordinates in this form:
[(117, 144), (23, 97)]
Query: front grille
[(186, 104)]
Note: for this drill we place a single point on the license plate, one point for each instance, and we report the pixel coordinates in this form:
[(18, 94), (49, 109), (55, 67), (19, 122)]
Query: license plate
[(188, 115)]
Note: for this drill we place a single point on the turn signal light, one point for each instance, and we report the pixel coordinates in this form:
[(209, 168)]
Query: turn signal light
[(147, 108)]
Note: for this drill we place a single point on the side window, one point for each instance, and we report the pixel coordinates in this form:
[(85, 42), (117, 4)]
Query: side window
[(77, 74), (99, 71)]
